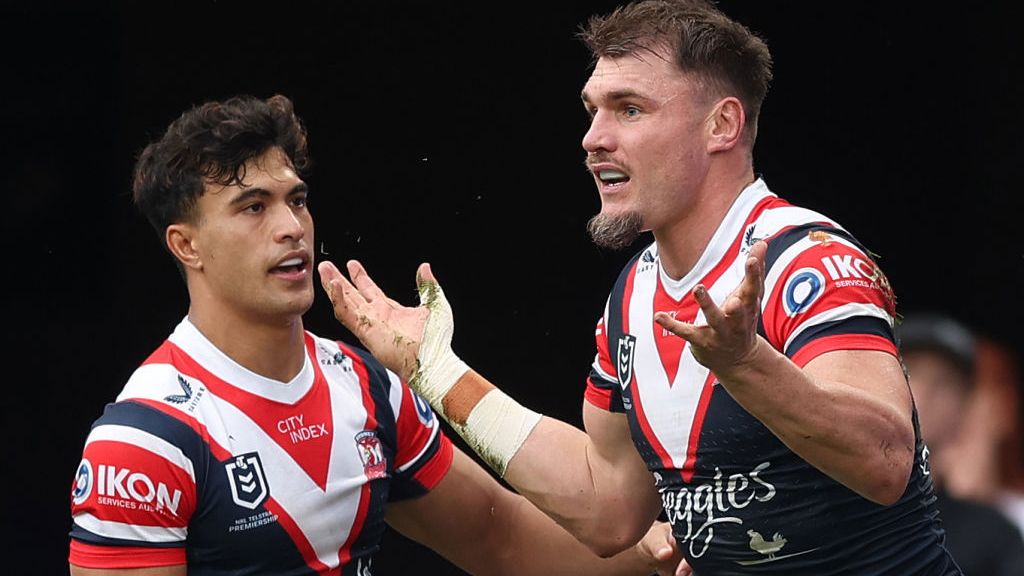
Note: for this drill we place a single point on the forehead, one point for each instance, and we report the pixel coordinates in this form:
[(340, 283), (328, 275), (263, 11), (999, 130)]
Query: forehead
[(649, 74), (269, 171)]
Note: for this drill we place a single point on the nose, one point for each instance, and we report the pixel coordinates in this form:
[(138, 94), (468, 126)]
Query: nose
[(288, 225), (600, 136)]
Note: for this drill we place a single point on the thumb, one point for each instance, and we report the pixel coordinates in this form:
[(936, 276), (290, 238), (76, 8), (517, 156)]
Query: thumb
[(665, 549), (430, 291)]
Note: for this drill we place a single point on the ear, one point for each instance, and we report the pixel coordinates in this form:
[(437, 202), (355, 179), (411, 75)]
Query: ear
[(181, 241), (725, 124)]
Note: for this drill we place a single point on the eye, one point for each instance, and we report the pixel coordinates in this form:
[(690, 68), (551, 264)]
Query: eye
[(631, 111), (254, 208), (300, 201)]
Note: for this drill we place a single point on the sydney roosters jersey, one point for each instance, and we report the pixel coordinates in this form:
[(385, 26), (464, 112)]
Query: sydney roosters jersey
[(203, 462), (739, 500)]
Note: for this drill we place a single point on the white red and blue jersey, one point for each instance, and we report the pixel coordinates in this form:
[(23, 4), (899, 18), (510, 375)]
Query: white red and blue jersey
[(739, 500), (202, 462)]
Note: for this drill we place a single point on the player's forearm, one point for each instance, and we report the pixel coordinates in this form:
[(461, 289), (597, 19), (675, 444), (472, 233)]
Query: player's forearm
[(558, 469), (554, 466), (853, 434), (532, 543)]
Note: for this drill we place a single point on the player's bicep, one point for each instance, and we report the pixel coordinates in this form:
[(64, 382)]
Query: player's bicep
[(615, 460), (874, 372)]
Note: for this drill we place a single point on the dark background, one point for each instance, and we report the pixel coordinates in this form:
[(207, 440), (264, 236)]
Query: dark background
[(449, 132)]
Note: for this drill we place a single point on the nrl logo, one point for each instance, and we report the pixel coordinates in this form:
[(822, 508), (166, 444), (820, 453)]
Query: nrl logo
[(624, 359), (248, 483)]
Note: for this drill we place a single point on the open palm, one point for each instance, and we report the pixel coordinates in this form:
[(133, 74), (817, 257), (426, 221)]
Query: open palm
[(392, 332)]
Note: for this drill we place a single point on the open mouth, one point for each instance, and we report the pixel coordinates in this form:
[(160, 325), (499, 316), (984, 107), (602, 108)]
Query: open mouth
[(612, 177), (290, 266)]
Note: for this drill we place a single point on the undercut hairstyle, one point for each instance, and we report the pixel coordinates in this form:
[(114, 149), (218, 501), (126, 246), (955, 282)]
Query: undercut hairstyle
[(725, 55), (211, 144)]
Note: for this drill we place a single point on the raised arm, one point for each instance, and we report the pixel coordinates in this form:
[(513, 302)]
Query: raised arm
[(847, 412), (594, 484)]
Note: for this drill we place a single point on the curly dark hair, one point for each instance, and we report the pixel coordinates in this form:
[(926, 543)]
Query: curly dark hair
[(211, 144), (703, 41)]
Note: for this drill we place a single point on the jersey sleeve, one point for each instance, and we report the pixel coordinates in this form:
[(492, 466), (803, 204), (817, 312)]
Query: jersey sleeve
[(603, 390), (424, 453), (823, 293), (132, 496)]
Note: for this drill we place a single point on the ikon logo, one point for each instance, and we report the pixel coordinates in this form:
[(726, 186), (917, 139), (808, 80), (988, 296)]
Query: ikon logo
[(248, 483), (122, 484)]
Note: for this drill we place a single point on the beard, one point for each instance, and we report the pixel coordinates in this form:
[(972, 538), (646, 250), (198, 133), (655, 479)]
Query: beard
[(615, 231)]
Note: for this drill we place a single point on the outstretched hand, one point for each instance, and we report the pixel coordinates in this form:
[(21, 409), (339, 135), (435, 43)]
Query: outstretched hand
[(390, 331), (729, 339)]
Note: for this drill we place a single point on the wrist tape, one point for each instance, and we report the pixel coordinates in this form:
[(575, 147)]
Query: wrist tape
[(497, 425)]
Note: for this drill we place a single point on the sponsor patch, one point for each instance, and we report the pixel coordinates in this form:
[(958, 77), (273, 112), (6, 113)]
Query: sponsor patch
[(84, 480), (801, 290)]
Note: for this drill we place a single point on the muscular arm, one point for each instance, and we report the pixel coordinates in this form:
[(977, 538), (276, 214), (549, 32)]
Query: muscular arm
[(847, 412), (179, 570), (484, 528), (594, 483)]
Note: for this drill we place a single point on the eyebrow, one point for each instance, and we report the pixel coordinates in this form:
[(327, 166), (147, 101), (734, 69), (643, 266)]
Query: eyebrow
[(616, 95), (256, 192)]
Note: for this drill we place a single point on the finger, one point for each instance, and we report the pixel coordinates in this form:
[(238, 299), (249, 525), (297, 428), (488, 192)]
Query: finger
[(345, 298), (712, 313), (684, 569), (684, 330), (753, 279), (328, 272), (425, 274), (361, 279)]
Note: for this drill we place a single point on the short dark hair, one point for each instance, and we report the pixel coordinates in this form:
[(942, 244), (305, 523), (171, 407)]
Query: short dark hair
[(704, 41), (211, 143), (939, 333)]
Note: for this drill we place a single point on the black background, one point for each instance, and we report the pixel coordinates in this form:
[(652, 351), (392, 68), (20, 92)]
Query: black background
[(449, 132)]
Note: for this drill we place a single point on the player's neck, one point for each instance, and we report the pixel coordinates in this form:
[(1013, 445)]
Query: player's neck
[(273, 349), (681, 243)]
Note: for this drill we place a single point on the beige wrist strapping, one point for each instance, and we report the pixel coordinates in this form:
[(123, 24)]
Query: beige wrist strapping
[(497, 425)]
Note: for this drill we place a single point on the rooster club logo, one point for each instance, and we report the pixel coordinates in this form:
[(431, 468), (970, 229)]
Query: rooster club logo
[(801, 290), (624, 359), (375, 465), (82, 487), (248, 483)]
